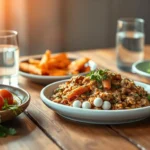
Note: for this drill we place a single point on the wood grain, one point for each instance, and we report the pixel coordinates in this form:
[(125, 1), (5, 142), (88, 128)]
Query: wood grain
[(28, 137), (71, 135), (136, 133)]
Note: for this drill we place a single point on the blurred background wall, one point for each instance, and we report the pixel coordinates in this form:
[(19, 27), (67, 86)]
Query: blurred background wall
[(69, 25)]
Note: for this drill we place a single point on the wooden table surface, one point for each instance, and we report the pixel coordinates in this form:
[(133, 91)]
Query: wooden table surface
[(40, 128)]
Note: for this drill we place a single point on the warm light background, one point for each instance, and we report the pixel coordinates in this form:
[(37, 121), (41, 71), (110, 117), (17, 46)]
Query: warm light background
[(67, 25)]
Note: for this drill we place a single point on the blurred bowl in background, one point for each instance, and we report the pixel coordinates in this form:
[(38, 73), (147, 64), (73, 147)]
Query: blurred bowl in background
[(142, 68)]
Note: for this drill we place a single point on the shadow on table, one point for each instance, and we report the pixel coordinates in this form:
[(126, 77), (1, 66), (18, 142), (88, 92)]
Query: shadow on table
[(22, 125), (129, 128)]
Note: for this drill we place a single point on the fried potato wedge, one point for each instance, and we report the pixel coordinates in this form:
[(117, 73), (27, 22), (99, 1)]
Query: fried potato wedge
[(54, 65)]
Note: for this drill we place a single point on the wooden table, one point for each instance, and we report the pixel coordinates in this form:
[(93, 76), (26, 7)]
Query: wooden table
[(41, 128)]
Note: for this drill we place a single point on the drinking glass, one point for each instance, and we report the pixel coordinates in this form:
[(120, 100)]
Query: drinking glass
[(9, 57), (129, 42)]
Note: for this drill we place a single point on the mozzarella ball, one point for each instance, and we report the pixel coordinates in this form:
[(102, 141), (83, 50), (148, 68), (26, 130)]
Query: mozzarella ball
[(86, 105), (98, 102), (76, 103), (106, 105)]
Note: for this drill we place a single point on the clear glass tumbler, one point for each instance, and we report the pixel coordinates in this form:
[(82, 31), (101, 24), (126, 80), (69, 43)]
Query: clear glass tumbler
[(129, 42), (9, 57)]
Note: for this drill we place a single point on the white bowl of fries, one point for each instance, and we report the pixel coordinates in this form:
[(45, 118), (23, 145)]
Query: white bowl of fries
[(47, 68)]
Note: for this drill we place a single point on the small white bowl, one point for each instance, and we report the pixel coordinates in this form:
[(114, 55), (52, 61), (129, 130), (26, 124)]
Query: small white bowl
[(21, 96)]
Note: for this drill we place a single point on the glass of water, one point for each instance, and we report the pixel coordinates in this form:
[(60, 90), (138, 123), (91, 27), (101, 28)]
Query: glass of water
[(9, 57), (129, 42)]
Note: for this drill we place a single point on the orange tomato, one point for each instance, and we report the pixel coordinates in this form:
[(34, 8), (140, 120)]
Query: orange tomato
[(6, 95), (1, 102)]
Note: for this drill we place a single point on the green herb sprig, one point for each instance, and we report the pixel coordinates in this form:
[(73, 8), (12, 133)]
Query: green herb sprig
[(99, 75), (15, 108), (6, 131), (148, 97)]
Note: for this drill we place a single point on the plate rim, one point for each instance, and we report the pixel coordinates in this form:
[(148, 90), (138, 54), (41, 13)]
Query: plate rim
[(100, 122)]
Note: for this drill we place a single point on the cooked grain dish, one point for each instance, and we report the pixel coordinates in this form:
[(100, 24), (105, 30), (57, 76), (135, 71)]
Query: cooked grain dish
[(101, 89)]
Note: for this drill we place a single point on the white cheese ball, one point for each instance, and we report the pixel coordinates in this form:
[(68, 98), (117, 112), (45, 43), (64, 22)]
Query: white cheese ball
[(76, 103), (98, 102), (86, 105), (106, 105)]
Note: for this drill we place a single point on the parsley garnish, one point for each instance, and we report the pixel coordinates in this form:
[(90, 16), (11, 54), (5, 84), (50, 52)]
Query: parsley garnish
[(148, 97), (116, 86), (57, 90), (99, 75), (99, 85), (6, 131), (14, 108), (136, 95)]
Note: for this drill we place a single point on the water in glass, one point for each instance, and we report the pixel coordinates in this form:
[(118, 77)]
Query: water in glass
[(129, 46), (9, 62)]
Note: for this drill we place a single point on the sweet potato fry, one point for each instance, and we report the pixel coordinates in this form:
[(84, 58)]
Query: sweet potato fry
[(77, 92), (30, 68), (57, 72), (77, 65), (86, 69), (54, 65), (34, 61), (60, 64), (45, 58), (60, 56)]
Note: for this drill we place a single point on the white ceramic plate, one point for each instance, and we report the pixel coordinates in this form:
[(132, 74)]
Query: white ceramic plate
[(21, 96), (94, 116), (49, 79)]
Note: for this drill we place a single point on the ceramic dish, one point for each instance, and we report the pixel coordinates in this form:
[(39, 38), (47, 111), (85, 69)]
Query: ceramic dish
[(94, 116), (21, 96), (49, 79), (142, 68)]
